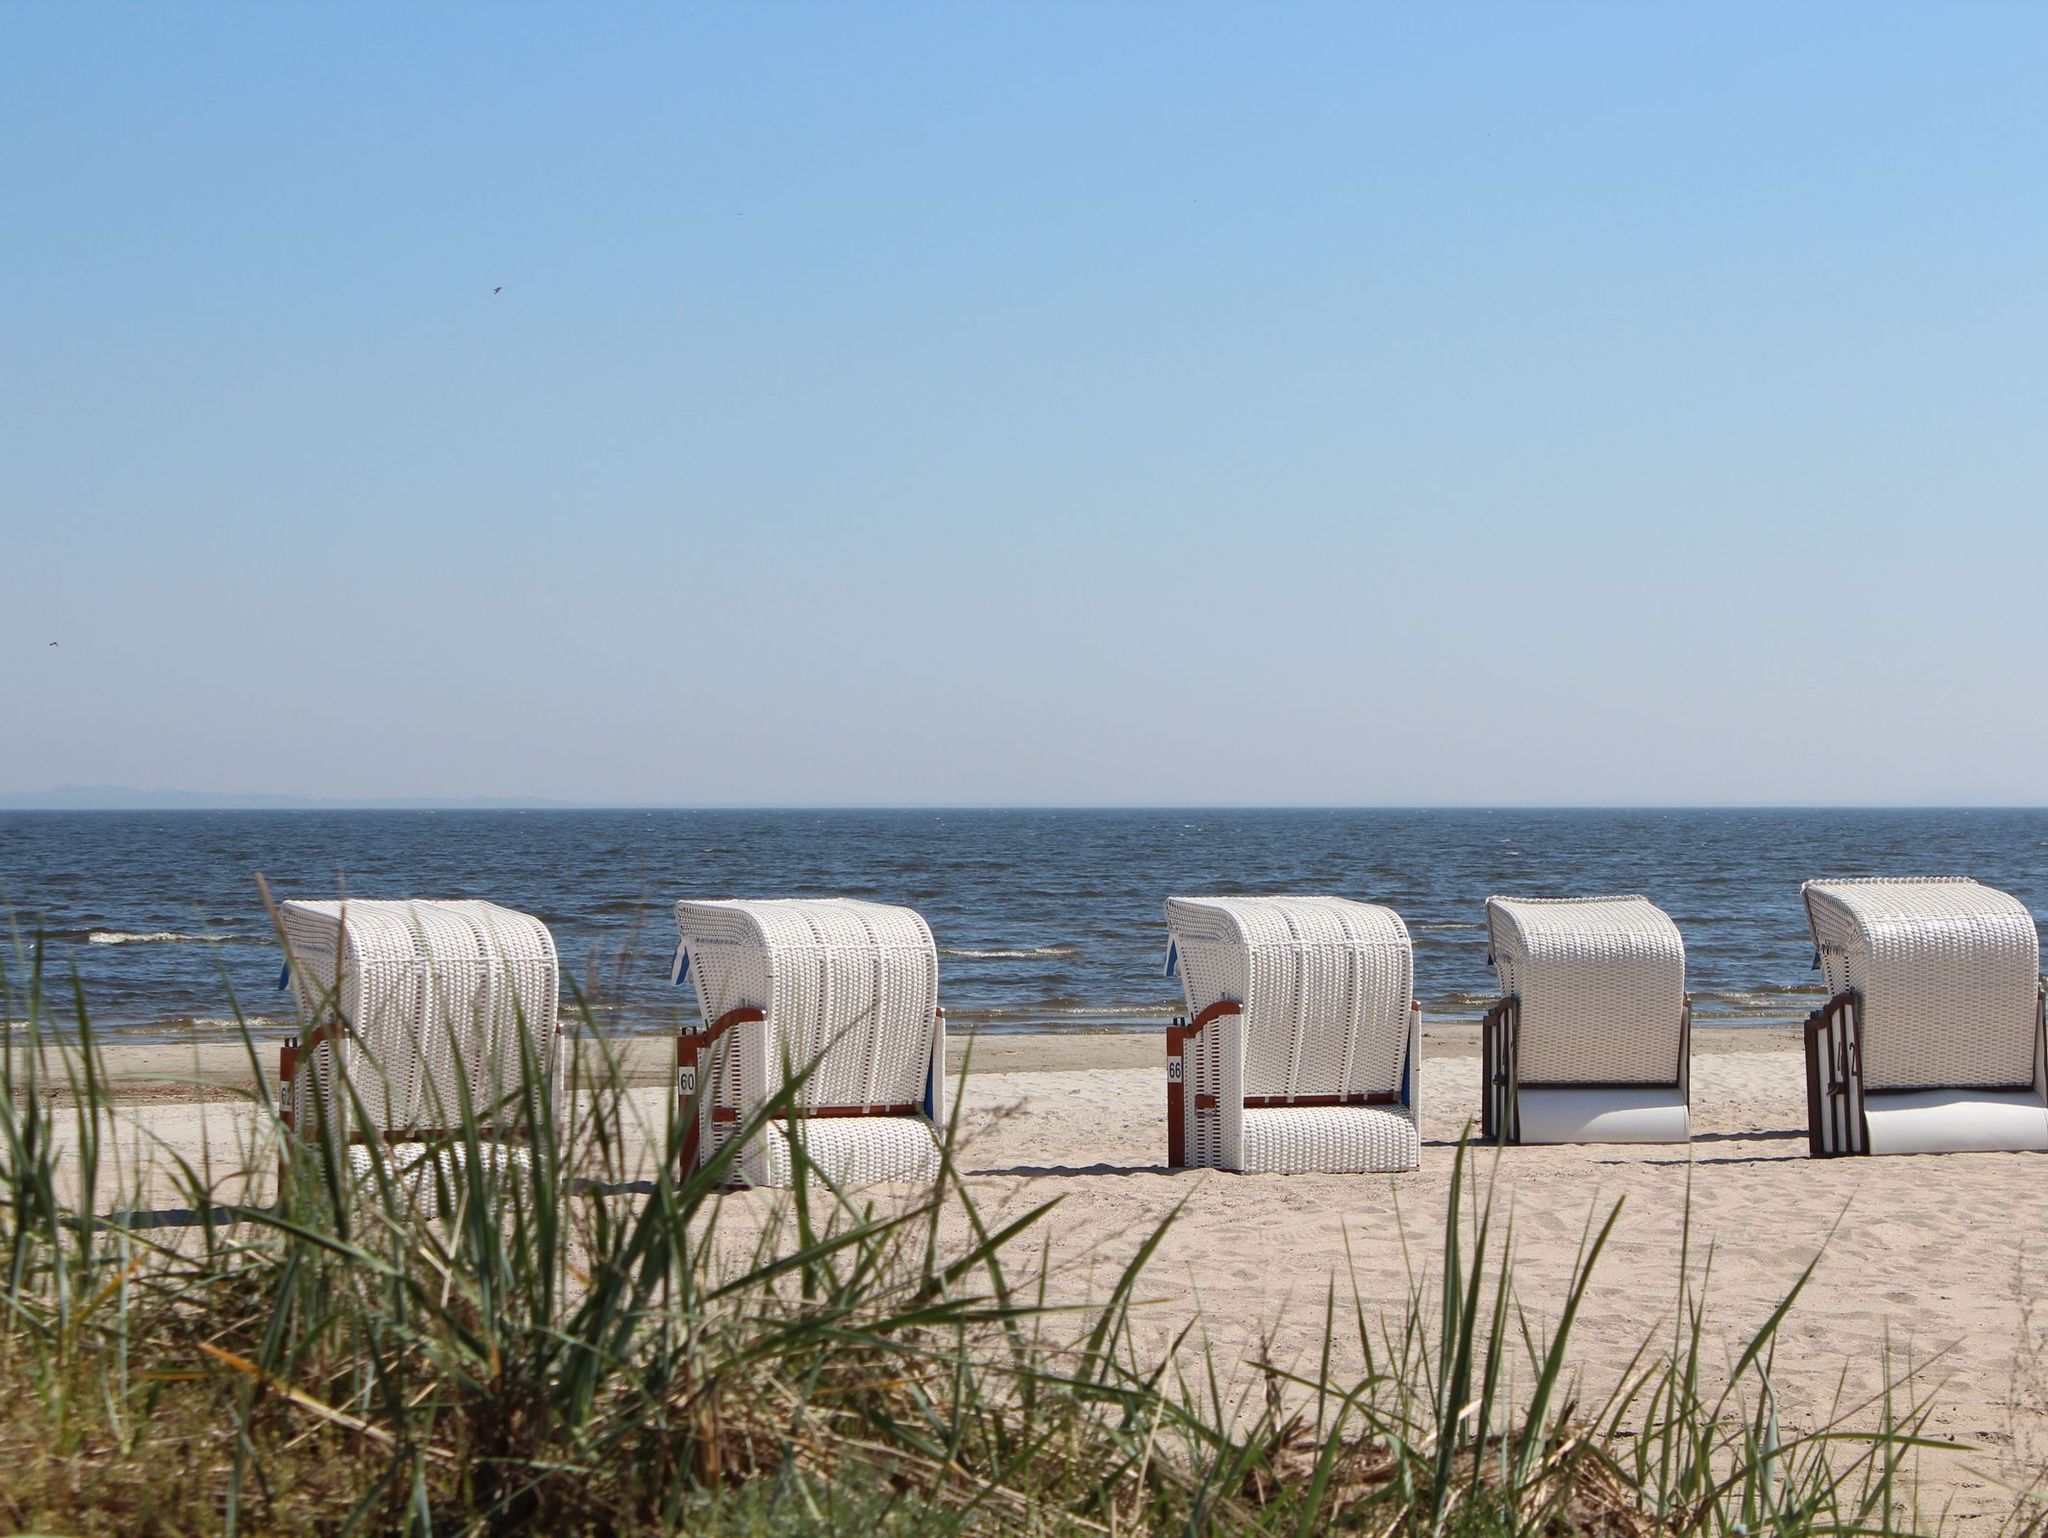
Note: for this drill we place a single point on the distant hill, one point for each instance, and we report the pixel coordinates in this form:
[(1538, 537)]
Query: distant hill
[(127, 798)]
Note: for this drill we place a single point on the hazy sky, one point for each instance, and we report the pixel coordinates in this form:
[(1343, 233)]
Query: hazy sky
[(1026, 404)]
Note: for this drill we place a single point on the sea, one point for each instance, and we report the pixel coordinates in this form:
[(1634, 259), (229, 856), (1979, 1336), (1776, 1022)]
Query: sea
[(1047, 920)]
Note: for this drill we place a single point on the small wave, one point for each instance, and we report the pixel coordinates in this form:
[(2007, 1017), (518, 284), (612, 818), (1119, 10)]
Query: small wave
[(1764, 991), (1757, 1003), (1073, 1011), (1446, 926), (155, 937), (222, 1023), (1118, 1009), (1036, 953)]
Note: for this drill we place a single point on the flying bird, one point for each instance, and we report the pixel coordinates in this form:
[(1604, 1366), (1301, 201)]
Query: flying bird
[(499, 289), (53, 643)]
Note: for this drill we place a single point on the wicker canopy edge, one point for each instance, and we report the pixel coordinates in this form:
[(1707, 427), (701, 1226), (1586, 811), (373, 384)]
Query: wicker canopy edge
[(1533, 925), (1872, 900), (1285, 919)]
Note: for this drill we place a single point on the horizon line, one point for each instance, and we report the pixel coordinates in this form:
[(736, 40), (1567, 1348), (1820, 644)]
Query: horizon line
[(257, 801)]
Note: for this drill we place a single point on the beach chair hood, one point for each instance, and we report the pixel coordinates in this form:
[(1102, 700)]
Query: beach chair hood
[(434, 1008), (1310, 1066), (847, 991), (1948, 973), (1324, 983), (1601, 982)]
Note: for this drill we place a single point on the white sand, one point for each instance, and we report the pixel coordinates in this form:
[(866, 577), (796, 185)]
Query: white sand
[(1932, 1256)]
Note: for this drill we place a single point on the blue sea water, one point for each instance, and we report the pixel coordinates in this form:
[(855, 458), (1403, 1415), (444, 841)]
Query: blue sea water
[(1047, 920)]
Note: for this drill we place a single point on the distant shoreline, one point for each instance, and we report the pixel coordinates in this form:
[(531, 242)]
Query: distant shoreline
[(178, 1072), (1455, 1034)]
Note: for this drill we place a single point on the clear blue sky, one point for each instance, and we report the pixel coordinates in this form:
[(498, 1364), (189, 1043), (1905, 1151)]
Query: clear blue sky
[(1026, 403)]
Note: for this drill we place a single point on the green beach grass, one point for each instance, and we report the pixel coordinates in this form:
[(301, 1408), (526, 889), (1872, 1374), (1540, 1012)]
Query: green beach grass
[(574, 1344)]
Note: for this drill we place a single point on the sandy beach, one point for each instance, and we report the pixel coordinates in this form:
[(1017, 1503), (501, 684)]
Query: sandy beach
[(1927, 1258)]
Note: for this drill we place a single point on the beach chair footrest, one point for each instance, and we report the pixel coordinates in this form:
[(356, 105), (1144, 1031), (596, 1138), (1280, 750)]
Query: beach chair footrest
[(1651, 1113), (1956, 1121), (847, 1151), (1329, 1140)]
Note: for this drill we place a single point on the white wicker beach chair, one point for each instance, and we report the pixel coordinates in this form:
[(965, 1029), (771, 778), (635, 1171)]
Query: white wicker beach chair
[(418, 1018), (1301, 1054), (1933, 1039), (1591, 1041), (847, 992)]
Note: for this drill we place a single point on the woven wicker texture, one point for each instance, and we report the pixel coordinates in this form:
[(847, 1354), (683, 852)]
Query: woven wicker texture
[(435, 996), (850, 987), (1602, 985), (1325, 985), (853, 1151), (1948, 971)]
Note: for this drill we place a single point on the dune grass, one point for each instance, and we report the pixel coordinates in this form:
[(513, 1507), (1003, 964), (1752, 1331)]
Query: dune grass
[(576, 1343)]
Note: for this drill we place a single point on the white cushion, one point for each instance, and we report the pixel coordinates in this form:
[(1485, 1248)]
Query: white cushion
[(1654, 1113), (1956, 1121)]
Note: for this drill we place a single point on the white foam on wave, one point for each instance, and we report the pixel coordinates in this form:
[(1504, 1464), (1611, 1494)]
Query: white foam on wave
[(225, 1022), (1757, 1003), (155, 937), (1036, 953), (1061, 1011), (1459, 999)]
